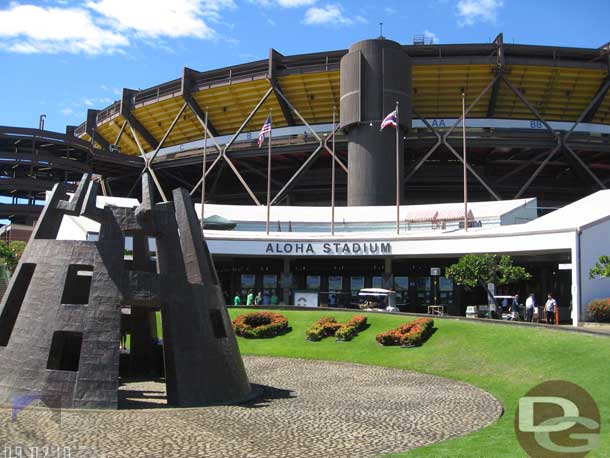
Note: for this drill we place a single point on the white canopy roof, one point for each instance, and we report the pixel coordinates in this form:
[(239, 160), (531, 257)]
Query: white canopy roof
[(387, 213)]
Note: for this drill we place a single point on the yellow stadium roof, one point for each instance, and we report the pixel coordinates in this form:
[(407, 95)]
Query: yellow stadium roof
[(559, 83)]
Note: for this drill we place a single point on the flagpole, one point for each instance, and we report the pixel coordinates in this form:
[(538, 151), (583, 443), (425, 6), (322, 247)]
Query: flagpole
[(269, 173), (205, 143), (397, 172), (332, 186), (465, 168)]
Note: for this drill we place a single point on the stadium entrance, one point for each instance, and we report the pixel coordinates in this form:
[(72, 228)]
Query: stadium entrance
[(418, 283)]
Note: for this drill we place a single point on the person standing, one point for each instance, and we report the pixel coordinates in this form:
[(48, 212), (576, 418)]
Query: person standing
[(504, 305), (250, 299), (274, 298), (258, 300), (549, 308), (530, 304), (514, 308), (266, 297), (332, 300), (236, 300)]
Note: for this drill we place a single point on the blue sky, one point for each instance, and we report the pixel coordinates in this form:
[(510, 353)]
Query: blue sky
[(60, 57)]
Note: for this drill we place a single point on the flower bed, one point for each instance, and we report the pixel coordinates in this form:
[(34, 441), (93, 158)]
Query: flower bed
[(324, 327), (599, 310), (358, 321), (257, 325), (410, 334), (327, 326)]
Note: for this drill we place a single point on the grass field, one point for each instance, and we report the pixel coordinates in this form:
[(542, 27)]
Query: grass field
[(505, 360)]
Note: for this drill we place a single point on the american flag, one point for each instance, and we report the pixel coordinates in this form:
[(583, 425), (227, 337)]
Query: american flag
[(266, 129), (389, 120)]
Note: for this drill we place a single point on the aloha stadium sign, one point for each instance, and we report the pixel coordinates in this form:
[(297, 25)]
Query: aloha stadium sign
[(329, 248)]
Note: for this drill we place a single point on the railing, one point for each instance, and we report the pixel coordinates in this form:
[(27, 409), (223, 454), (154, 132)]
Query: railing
[(107, 112), (375, 227), (171, 88)]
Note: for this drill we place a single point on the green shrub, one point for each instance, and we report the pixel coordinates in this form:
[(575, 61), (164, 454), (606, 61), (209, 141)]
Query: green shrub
[(315, 332), (324, 327), (257, 325), (346, 333), (599, 310), (327, 326)]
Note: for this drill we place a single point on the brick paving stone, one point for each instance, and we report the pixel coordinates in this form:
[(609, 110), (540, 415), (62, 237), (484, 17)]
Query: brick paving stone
[(307, 409)]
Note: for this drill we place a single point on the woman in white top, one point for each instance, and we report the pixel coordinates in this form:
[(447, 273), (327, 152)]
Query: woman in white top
[(549, 308)]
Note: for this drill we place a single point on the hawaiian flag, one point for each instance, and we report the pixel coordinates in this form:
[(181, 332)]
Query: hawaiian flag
[(266, 129), (389, 120)]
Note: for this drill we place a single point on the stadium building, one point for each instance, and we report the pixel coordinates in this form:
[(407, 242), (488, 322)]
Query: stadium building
[(537, 134)]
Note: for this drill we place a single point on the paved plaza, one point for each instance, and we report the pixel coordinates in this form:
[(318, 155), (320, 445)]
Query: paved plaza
[(307, 409)]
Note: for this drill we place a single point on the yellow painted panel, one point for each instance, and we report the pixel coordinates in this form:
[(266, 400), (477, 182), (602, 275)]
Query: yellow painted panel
[(558, 93)]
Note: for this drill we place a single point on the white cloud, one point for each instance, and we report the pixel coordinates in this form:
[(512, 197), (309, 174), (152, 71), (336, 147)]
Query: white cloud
[(283, 3), (295, 3), (472, 11), (212, 8), (331, 14), (32, 29), (433, 37), (105, 26), (67, 111), (157, 18)]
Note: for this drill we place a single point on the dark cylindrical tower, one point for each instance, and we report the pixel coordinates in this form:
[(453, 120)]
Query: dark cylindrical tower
[(375, 74)]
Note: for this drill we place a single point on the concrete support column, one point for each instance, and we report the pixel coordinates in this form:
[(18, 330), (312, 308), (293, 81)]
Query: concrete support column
[(375, 75), (286, 290), (388, 265), (576, 310), (545, 282), (388, 277)]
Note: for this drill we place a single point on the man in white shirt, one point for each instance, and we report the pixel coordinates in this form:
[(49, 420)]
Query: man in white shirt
[(530, 303), (549, 308)]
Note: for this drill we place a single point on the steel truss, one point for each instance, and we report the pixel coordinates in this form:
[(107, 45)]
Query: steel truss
[(222, 152), (561, 140)]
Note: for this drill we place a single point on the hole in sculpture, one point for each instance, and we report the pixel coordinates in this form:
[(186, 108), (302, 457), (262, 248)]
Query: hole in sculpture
[(78, 285), (65, 351), (140, 252), (128, 248), (12, 306), (92, 236), (152, 249)]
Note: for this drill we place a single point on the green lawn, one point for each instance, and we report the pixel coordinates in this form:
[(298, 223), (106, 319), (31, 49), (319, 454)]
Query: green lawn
[(505, 360)]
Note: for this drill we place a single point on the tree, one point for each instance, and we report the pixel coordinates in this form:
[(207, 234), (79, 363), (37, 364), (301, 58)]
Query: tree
[(474, 270), (601, 269), (10, 253)]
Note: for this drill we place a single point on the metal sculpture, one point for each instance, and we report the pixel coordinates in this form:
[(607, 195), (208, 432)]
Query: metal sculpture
[(60, 317)]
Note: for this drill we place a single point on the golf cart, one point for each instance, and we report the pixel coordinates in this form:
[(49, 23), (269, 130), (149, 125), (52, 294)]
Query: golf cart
[(377, 300)]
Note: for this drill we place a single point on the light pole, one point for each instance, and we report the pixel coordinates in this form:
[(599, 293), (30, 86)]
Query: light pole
[(465, 168)]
